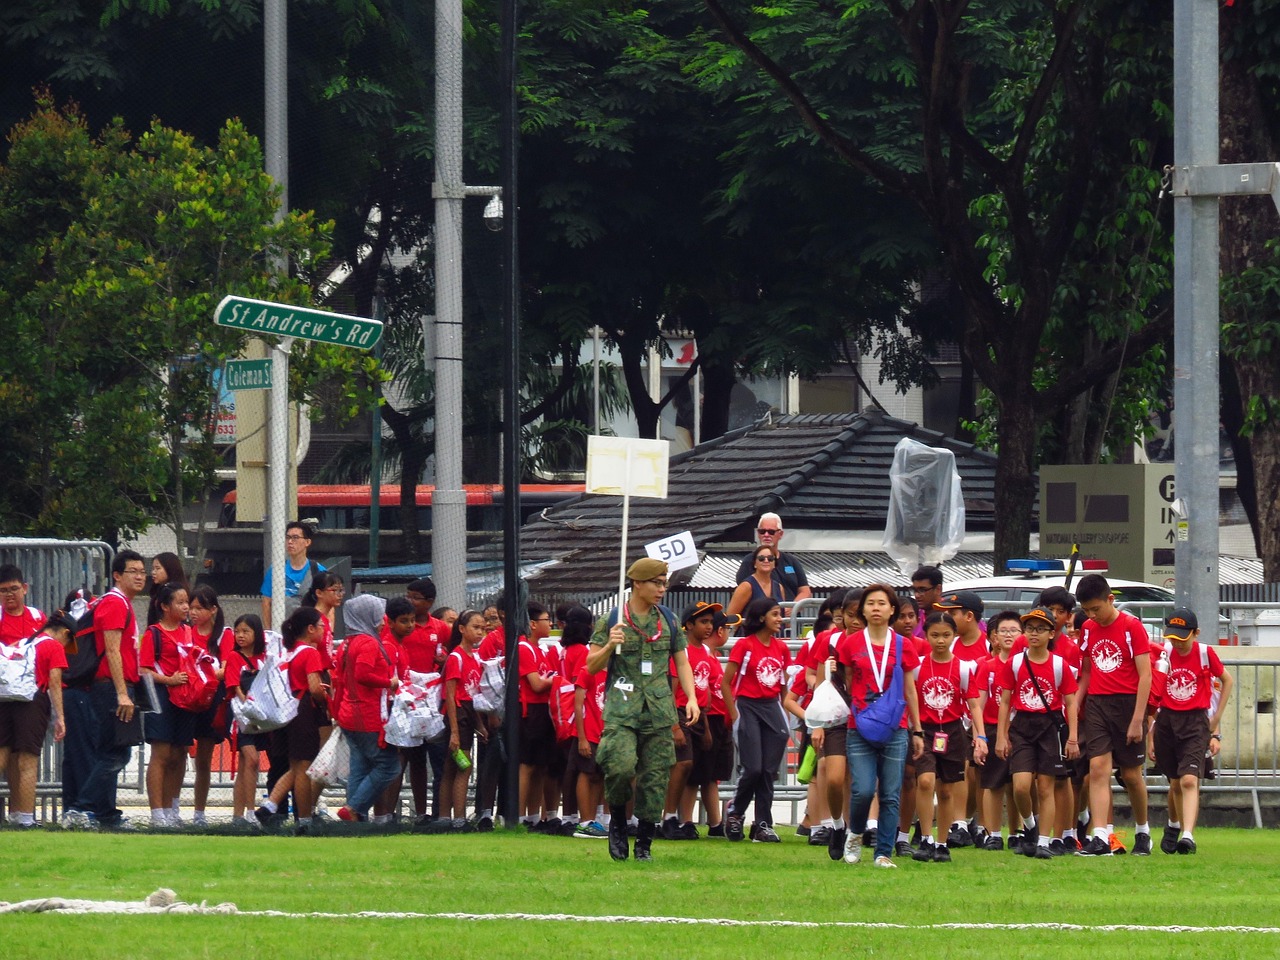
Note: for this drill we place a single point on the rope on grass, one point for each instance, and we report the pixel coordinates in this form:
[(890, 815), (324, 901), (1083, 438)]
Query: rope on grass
[(166, 901)]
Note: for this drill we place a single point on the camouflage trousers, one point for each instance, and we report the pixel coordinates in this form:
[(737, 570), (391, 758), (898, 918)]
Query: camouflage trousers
[(643, 756)]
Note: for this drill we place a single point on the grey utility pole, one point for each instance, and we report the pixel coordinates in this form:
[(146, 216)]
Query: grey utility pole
[(1198, 181)]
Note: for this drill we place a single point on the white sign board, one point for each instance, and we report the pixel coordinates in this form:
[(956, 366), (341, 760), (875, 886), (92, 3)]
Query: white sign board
[(678, 551), (624, 466)]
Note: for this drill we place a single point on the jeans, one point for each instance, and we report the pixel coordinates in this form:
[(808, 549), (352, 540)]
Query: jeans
[(869, 764), (435, 758), (97, 794), (373, 769), (79, 746)]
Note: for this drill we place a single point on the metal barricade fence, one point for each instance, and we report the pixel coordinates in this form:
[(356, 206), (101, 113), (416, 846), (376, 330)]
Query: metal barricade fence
[(54, 568)]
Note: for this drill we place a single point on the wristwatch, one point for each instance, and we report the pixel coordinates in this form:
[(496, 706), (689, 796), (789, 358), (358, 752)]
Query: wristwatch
[(918, 733), (1216, 736)]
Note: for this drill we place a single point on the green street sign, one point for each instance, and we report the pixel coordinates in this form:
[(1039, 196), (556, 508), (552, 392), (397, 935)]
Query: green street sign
[(248, 374), (284, 320)]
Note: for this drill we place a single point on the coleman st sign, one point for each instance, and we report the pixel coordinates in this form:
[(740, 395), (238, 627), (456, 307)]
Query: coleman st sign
[(263, 317)]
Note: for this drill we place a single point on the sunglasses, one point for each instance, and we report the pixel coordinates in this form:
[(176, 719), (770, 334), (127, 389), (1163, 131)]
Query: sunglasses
[(764, 558), (763, 530)]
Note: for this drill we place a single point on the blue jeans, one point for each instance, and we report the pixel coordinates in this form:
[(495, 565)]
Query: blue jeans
[(97, 793), (80, 744), (869, 764), (373, 769)]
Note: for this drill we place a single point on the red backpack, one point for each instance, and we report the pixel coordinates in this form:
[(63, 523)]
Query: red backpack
[(563, 691), (196, 695)]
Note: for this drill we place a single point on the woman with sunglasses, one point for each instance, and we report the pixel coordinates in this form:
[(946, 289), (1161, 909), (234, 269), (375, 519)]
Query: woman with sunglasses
[(762, 584)]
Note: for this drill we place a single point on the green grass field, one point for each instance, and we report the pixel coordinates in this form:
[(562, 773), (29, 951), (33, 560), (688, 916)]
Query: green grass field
[(1233, 881)]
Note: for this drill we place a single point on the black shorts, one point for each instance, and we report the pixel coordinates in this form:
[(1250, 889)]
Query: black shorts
[(948, 766), (211, 724), (578, 764), (171, 724), (466, 714), (1182, 740), (537, 736), (1034, 747), (302, 735), (1106, 727), (24, 723), (716, 764)]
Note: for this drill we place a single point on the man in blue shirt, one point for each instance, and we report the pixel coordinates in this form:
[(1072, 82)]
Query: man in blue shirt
[(299, 571)]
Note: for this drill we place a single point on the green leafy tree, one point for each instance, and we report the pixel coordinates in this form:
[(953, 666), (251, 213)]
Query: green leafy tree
[(115, 253)]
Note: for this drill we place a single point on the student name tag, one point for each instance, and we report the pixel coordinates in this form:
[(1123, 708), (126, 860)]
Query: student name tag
[(646, 668), (940, 742)]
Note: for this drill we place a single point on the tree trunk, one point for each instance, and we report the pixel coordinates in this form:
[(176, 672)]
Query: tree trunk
[(1247, 225), (718, 378), (413, 458), (1016, 484)]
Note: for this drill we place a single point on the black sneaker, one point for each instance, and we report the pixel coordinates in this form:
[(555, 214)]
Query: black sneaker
[(1169, 840), (903, 849), (733, 827), (689, 831), (916, 838), (941, 854), (485, 825), (670, 829), (819, 836), (923, 853), (835, 846), (1015, 842), (869, 837), (1030, 840), (716, 831), (1070, 845), (568, 828), (992, 843), (764, 833), (633, 829), (551, 826), (959, 837), (979, 835), (1056, 848), (803, 831), (1042, 852), (1186, 845), (1141, 845), (1095, 847)]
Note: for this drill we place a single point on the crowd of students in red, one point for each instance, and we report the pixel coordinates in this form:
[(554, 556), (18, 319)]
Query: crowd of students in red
[(1020, 720)]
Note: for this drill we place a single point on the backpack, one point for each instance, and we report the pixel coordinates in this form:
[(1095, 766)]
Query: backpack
[(83, 657), (196, 695), (18, 671), (667, 614)]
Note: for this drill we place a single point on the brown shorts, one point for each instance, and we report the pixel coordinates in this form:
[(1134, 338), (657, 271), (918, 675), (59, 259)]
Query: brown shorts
[(1182, 740), (834, 740), (466, 714), (1106, 726), (302, 735), (714, 765), (578, 764), (1034, 748), (949, 766), (24, 723), (537, 736), (995, 773)]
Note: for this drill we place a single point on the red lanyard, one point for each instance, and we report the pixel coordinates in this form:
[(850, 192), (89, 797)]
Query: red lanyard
[(626, 612)]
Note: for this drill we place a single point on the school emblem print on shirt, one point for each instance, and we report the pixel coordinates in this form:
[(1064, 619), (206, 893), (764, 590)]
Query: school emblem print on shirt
[(702, 675), (1182, 686), (769, 672), (1106, 655), (938, 694), (1028, 699)]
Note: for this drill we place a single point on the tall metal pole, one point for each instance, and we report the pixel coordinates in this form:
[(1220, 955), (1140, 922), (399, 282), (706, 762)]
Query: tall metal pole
[(513, 587), (1195, 254), (276, 148), (449, 502), (375, 447)]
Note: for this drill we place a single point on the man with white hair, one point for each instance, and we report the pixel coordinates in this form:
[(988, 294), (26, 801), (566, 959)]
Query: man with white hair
[(788, 570)]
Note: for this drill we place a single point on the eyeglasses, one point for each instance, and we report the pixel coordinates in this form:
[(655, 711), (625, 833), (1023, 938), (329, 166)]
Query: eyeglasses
[(135, 571), (769, 530), (657, 582), (294, 536), (1009, 631), (12, 591), (542, 620)]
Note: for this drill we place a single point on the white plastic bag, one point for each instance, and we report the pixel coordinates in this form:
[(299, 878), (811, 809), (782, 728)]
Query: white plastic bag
[(490, 695), (269, 704), (332, 764), (827, 708), (18, 671)]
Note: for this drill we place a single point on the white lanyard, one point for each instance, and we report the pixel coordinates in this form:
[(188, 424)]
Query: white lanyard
[(878, 675)]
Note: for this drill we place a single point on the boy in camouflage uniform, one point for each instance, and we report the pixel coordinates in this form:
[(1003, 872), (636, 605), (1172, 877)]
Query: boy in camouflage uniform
[(639, 710)]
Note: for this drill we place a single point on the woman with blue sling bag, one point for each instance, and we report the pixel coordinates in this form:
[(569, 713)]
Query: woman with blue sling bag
[(879, 670)]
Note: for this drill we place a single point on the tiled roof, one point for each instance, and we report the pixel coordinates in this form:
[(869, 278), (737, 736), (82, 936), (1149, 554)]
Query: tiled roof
[(820, 472)]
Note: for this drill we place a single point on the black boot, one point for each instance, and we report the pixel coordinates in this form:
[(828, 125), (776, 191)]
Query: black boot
[(644, 839), (618, 833)]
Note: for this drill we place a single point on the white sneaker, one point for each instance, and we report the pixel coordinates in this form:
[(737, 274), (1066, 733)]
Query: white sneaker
[(853, 847), (885, 863), (77, 820)]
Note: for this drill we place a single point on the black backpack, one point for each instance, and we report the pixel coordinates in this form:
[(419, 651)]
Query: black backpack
[(82, 656)]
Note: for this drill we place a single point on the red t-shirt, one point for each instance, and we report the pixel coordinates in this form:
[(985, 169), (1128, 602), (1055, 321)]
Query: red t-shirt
[(715, 700), (1111, 651), (1063, 646), (974, 652), (1188, 685), (817, 649), (218, 647), (170, 655), (465, 668), (988, 681), (800, 687), (532, 660), (572, 659), (237, 663), (943, 689), (367, 675), (421, 645), (494, 645), (762, 669), (49, 656), (115, 612), (700, 661), (1024, 698), (14, 628), (855, 651), (306, 660), (593, 705)]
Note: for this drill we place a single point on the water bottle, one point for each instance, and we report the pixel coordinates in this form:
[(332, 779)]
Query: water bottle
[(461, 760)]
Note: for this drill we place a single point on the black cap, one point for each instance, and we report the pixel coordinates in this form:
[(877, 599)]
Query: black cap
[(1180, 624), (727, 620), (695, 610), (961, 600)]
